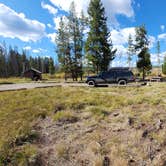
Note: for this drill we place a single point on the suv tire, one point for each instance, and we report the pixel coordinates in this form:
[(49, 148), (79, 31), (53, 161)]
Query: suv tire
[(122, 82), (91, 83)]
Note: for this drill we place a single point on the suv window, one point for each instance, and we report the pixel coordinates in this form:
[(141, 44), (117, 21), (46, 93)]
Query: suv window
[(124, 73), (110, 74)]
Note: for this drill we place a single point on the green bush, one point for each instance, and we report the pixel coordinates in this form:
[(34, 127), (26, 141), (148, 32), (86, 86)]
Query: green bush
[(164, 66)]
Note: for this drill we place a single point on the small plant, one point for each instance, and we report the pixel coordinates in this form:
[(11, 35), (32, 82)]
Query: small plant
[(62, 151), (99, 161), (98, 111), (65, 117), (42, 115), (160, 137), (59, 107)]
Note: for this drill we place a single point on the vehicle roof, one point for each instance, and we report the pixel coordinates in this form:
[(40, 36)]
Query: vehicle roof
[(33, 69), (119, 68)]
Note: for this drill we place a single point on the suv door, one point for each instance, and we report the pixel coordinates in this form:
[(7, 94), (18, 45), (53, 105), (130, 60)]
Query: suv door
[(109, 77), (125, 74)]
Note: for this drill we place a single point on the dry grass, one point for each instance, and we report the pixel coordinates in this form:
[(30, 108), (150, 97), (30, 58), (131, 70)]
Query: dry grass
[(98, 114), (62, 151), (13, 80)]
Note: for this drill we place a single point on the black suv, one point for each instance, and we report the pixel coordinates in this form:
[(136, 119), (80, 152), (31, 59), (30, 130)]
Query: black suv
[(120, 75)]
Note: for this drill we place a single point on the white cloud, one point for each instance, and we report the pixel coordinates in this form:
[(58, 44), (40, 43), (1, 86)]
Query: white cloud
[(43, 50), (121, 50), (162, 27), (49, 25), (50, 8), (120, 37), (27, 48), (118, 7), (119, 63), (162, 36), (120, 41), (112, 7), (52, 37), (39, 50), (16, 25), (56, 22), (152, 41), (154, 58), (36, 51), (65, 5)]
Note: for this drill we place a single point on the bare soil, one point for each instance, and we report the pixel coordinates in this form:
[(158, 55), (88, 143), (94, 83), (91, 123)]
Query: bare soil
[(87, 142)]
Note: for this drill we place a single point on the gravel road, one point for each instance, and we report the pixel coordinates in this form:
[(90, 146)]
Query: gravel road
[(22, 86)]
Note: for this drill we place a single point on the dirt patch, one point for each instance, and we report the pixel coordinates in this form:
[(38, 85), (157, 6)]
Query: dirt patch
[(110, 141)]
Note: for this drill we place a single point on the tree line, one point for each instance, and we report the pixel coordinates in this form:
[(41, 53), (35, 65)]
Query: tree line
[(13, 63), (81, 42), (96, 45)]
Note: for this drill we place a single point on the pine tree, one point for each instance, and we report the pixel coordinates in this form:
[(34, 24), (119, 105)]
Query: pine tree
[(76, 26), (99, 50), (164, 66), (141, 46), (158, 56), (13, 62), (130, 50), (2, 62), (51, 66), (6, 74), (83, 24), (24, 61), (46, 64), (63, 48), (39, 63)]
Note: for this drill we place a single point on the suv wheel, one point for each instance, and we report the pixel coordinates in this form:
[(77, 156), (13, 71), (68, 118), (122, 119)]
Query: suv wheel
[(122, 82), (91, 83)]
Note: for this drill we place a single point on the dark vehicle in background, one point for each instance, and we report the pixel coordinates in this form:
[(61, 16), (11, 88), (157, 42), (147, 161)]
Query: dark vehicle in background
[(120, 75), (34, 74)]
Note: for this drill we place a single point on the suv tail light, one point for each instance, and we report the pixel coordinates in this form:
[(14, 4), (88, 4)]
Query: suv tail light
[(133, 77)]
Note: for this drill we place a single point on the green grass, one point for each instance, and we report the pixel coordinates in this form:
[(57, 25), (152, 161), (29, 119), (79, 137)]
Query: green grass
[(20, 111)]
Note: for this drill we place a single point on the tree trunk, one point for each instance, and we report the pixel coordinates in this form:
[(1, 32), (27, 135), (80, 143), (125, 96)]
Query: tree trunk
[(143, 74), (97, 69), (81, 77), (65, 77)]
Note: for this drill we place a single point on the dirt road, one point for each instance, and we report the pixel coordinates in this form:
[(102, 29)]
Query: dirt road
[(22, 86)]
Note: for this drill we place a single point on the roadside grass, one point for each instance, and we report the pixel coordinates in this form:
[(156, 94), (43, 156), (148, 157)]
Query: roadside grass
[(14, 80), (20, 111), (56, 78)]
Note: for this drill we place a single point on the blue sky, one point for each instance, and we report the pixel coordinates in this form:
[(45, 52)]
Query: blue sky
[(32, 24)]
